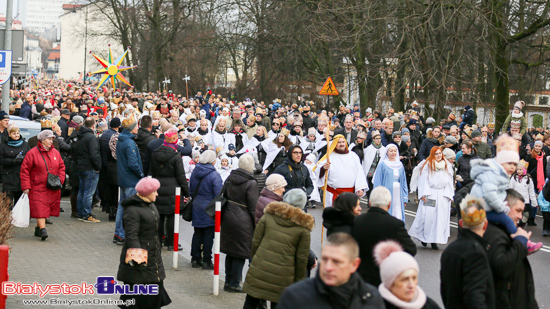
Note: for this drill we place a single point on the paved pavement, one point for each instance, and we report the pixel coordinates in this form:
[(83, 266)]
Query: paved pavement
[(77, 252)]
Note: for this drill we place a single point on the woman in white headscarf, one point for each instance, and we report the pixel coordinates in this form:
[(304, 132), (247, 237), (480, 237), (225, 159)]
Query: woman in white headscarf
[(390, 173)]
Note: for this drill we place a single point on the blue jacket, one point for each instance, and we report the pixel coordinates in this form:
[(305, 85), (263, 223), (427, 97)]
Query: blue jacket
[(206, 107), (543, 203), (426, 148), (129, 167), (211, 186), (490, 183), (25, 111)]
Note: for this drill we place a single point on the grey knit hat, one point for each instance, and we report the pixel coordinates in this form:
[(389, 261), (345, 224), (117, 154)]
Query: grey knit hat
[(246, 162), (208, 157), (296, 198), (451, 140)]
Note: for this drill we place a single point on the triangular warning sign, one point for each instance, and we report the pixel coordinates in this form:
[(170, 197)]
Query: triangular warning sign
[(329, 88)]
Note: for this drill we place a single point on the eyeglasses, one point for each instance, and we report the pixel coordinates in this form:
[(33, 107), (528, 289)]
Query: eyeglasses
[(297, 152)]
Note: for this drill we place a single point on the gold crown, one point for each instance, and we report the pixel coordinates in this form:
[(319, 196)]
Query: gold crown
[(285, 131), (523, 164), (45, 123), (491, 126), (505, 142), (475, 217)]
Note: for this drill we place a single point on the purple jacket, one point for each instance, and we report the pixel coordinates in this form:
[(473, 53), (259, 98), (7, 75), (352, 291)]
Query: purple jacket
[(266, 197)]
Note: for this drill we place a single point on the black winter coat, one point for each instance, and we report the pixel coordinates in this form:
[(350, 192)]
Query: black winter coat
[(464, 167), (62, 123), (337, 221), (426, 148), (143, 138), (512, 274), (466, 278), (371, 228), (72, 169), (360, 151), (237, 226), (313, 293), (86, 151), (140, 221), (104, 146), (11, 168), (153, 145), (167, 166), (298, 178), (260, 177)]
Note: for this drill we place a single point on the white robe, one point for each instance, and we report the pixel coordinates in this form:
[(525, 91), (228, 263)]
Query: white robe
[(231, 139), (315, 193), (432, 224), (250, 145), (345, 172), (368, 157), (218, 140)]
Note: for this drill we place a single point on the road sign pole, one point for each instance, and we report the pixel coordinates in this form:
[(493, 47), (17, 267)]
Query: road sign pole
[(7, 46)]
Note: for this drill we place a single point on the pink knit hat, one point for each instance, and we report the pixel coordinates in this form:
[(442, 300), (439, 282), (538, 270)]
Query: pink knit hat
[(392, 261), (147, 186)]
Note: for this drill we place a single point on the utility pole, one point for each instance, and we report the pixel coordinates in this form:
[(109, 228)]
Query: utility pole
[(7, 46)]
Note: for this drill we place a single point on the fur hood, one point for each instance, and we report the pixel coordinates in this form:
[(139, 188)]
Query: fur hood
[(290, 213)]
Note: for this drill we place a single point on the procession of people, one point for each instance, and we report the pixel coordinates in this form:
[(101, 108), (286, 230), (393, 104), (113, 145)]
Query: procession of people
[(127, 151)]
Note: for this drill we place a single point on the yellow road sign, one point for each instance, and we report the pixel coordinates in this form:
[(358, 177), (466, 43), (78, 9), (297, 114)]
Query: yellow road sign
[(329, 88)]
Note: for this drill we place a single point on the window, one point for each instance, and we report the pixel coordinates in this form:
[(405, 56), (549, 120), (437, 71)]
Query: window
[(543, 100)]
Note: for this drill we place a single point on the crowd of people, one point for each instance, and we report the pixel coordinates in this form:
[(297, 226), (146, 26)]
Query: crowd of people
[(127, 152)]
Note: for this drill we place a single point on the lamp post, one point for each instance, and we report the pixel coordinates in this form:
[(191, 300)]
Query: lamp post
[(85, 44)]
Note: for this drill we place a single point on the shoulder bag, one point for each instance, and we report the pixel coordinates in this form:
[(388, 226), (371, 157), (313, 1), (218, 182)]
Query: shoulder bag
[(53, 183), (211, 207), (187, 210)]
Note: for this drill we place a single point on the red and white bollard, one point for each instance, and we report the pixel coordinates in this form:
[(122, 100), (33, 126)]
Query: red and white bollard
[(217, 229), (176, 229), (4, 257)]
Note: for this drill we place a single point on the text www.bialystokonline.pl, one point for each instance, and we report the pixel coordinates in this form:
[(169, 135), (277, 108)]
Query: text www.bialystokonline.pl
[(78, 302)]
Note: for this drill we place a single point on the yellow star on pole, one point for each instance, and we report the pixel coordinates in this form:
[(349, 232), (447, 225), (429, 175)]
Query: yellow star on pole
[(112, 69)]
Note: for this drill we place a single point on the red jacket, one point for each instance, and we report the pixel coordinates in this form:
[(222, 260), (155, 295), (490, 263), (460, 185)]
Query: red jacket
[(43, 201)]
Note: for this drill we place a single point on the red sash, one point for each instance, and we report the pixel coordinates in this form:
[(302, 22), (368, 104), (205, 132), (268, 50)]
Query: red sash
[(337, 191)]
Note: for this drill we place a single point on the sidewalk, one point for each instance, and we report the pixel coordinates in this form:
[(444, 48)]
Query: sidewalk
[(77, 252)]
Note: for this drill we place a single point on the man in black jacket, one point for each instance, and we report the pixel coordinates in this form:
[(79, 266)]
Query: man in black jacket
[(466, 278), (347, 131), (88, 164), (103, 185), (375, 226), (337, 285), (145, 135), (64, 123), (295, 172), (512, 274), (306, 118)]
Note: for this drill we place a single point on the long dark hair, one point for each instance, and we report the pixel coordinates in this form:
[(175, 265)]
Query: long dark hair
[(346, 201)]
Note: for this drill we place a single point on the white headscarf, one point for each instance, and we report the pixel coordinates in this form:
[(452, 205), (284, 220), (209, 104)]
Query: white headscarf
[(392, 164)]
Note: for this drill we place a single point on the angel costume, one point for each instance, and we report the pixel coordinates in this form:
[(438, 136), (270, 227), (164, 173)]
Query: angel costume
[(432, 221), (345, 173), (391, 174)]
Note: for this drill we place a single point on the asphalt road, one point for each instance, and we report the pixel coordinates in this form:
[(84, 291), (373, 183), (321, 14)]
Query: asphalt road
[(427, 258)]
